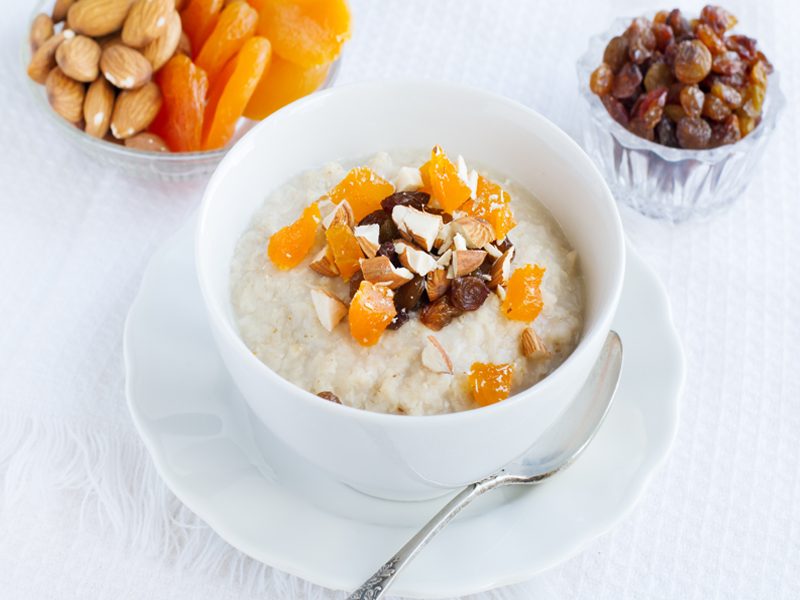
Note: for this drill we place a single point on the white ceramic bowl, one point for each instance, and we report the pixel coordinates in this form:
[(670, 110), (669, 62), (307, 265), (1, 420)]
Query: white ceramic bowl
[(391, 456)]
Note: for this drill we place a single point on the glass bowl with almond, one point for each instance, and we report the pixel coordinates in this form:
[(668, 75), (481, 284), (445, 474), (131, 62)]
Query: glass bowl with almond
[(163, 88), (680, 110)]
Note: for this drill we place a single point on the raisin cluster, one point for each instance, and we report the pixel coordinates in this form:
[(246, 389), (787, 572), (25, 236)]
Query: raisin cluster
[(684, 83)]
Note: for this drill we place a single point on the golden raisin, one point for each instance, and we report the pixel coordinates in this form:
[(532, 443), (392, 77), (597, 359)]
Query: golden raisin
[(692, 99), (490, 383), (692, 61), (288, 246), (363, 189), (601, 80), (371, 311), (524, 297)]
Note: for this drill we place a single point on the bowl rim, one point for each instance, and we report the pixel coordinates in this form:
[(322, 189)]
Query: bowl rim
[(592, 336), (79, 136), (775, 103)]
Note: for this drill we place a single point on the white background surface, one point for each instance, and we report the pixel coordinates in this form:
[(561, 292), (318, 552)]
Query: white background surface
[(721, 520)]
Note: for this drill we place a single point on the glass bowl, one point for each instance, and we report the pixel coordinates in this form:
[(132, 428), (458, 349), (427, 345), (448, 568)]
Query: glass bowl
[(663, 182), (177, 166)]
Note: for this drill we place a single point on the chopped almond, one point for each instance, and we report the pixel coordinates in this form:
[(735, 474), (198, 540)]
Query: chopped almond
[(324, 262), (341, 213), (417, 226), (415, 260), (367, 237), (501, 269), (408, 180), (435, 358), (330, 310), (533, 346), (380, 271), (437, 284), (466, 261), (476, 232)]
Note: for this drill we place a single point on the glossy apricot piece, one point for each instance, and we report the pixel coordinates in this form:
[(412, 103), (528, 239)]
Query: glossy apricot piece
[(449, 190), (346, 250), (282, 83), (258, 5), (371, 311), (237, 24), (524, 297), (491, 204), (490, 383), (233, 90), (199, 19), (288, 246), (184, 87), (306, 32), (363, 189)]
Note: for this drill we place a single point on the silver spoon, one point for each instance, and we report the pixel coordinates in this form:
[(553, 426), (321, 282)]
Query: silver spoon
[(554, 452)]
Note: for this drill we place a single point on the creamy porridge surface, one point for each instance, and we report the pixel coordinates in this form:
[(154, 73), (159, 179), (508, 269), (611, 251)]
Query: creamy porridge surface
[(277, 320)]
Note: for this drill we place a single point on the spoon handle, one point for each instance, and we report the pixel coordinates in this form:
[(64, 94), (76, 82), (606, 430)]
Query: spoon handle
[(376, 586)]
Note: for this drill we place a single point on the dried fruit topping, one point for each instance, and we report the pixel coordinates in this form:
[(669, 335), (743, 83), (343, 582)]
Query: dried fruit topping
[(386, 249), (674, 112), (439, 314), (728, 132), (346, 249), (692, 61), (616, 109), (524, 297), (490, 383), (664, 36), (641, 40), (468, 293), (355, 282), (199, 19), (692, 99), (371, 311), (715, 109), (236, 24), (376, 217), (758, 74), (616, 53), (727, 63), (184, 87), (282, 83), (712, 41), (627, 81), (728, 94), (400, 319), (718, 18), (491, 205), (330, 396), (449, 189), (638, 127), (753, 100), (410, 295), (693, 133), (680, 25), (363, 189), (601, 80), (658, 76), (418, 200), (289, 245), (652, 107), (665, 133)]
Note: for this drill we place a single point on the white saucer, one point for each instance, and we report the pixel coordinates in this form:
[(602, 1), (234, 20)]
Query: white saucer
[(280, 510)]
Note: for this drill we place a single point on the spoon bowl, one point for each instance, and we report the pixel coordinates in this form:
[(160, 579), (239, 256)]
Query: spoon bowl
[(555, 451)]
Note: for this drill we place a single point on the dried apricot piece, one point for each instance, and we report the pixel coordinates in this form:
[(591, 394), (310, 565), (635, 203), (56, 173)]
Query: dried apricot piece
[(490, 383), (306, 32), (371, 311), (282, 83), (524, 297), (449, 190), (289, 245), (363, 189), (233, 90), (491, 204), (346, 250), (184, 87), (237, 24), (199, 19)]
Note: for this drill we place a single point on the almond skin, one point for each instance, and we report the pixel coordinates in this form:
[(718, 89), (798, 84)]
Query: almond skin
[(125, 67), (43, 61), (65, 95), (146, 21), (135, 110), (98, 17), (161, 49), (60, 10), (79, 58), (109, 40), (97, 107), (149, 142), (41, 31)]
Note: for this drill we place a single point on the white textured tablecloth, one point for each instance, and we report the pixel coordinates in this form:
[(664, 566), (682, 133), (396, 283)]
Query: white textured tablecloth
[(83, 513)]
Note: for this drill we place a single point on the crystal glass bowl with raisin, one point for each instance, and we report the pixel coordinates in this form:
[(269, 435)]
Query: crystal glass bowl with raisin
[(178, 166), (662, 181)]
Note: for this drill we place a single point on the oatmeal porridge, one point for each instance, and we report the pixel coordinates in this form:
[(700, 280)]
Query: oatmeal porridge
[(396, 286)]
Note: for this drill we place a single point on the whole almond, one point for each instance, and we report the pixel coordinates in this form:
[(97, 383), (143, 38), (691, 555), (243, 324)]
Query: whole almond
[(98, 17), (135, 110), (149, 142), (44, 59), (146, 21), (65, 95), (41, 31), (125, 67), (184, 45), (161, 49), (97, 107), (109, 40), (60, 10), (78, 58)]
